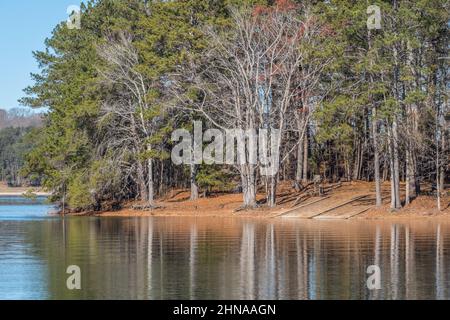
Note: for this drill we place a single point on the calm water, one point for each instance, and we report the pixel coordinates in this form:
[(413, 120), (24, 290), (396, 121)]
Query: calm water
[(214, 258)]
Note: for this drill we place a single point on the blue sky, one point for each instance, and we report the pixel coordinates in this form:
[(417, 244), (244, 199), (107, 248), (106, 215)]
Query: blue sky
[(24, 25)]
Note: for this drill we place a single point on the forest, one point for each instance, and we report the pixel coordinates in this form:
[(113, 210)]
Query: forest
[(356, 90), (18, 126)]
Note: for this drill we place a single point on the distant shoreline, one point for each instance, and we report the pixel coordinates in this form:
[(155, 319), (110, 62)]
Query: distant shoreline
[(21, 194), (6, 191)]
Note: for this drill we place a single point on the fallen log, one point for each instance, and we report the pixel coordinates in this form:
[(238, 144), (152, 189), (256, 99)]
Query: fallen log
[(146, 207)]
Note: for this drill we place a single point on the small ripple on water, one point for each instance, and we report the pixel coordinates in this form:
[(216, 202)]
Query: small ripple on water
[(182, 258)]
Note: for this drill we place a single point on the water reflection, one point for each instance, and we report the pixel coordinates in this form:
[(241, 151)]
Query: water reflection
[(20, 200), (214, 258)]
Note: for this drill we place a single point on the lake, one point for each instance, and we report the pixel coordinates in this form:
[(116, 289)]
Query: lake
[(218, 258)]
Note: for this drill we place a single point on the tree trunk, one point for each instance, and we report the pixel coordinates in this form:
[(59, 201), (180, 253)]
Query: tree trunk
[(439, 168), (194, 185), (412, 181), (376, 160), (299, 173), (305, 157), (378, 201), (438, 186), (143, 191), (161, 180), (396, 92), (438, 180), (272, 194), (385, 172), (248, 185), (416, 175), (398, 204), (443, 152), (151, 191), (64, 200), (394, 168), (358, 161), (410, 177)]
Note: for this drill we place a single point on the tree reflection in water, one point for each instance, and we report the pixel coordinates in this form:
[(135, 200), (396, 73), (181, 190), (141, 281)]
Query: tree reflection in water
[(224, 258)]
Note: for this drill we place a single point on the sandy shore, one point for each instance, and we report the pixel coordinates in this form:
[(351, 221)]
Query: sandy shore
[(17, 192), (380, 214), (177, 204), (226, 205)]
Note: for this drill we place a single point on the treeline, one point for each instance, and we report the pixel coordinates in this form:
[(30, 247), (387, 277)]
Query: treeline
[(18, 130), (350, 102), (19, 118)]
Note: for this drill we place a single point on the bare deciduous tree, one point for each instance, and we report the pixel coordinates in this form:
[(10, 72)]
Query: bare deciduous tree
[(250, 80), (134, 109)]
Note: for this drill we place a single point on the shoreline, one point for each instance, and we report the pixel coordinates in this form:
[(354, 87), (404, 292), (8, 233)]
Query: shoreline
[(6, 191), (161, 213), (137, 214), (21, 194), (224, 206), (347, 201)]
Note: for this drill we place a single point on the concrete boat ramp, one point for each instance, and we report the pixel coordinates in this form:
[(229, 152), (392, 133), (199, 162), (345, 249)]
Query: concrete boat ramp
[(330, 207)]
